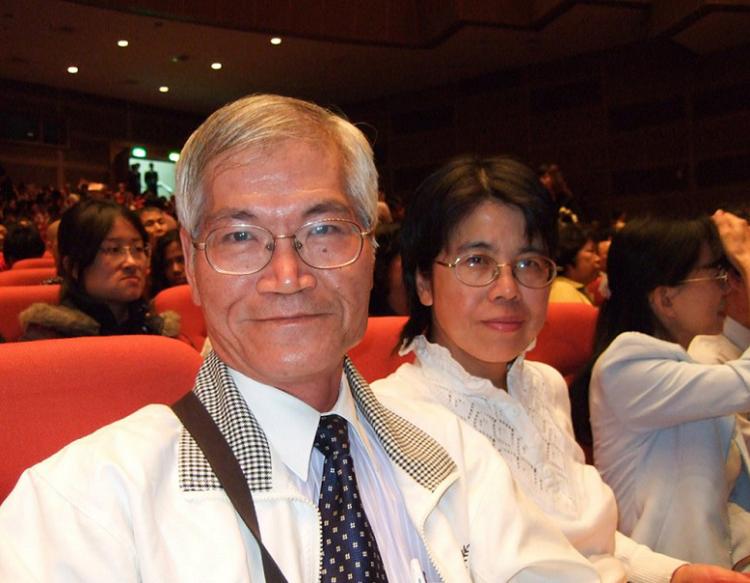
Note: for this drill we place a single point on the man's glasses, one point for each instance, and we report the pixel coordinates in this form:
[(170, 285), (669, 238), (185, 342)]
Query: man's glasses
[(533, 271), (245, 249)]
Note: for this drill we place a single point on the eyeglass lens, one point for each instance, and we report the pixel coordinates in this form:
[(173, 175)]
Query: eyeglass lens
[(480, 270)]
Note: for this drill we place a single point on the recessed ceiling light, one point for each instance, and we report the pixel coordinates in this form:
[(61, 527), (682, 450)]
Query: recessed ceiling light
[(216, 66), (276, 40), (164, 89), (122, 43), (72, 69)]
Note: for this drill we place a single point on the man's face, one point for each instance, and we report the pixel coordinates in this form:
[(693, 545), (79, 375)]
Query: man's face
[(154, 223), (288, 324)]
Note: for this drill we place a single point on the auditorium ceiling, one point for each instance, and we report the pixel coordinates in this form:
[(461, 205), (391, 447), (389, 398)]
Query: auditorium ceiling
[(332, 51)]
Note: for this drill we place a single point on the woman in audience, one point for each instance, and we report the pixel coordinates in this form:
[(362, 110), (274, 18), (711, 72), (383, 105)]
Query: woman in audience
[(666, 435), (104, 258), (577, 263), (167, 263), (388, 297), (476, 243)]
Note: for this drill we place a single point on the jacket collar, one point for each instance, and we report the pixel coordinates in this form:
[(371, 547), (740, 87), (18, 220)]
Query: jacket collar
[(415, 452)]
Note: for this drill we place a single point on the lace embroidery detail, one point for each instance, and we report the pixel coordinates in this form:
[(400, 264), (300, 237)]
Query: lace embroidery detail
[(520, 424)]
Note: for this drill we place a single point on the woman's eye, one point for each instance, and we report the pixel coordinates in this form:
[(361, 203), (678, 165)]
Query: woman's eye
[(476, 261)]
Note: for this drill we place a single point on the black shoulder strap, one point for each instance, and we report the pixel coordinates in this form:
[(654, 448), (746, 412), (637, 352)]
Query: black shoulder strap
[(207, 435)]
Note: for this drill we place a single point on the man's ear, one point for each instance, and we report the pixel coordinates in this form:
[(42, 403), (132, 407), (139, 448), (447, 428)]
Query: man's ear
[(424, 289), (189, 252)]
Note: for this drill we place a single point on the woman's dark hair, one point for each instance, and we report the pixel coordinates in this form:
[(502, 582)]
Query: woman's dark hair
[(572, 238), (645, 254), (448, 196), (81, 232), (159, 279)]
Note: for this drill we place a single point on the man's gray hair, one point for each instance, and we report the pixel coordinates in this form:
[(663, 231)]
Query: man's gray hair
[(259, 121)]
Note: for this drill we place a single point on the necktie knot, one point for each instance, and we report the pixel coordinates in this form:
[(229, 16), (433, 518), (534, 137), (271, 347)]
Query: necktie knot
[(332, 437)]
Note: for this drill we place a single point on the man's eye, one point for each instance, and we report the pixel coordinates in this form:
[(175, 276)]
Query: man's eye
[(324, 229)]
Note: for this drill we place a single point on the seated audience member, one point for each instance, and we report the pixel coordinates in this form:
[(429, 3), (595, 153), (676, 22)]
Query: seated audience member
[(22, 242), (104, 258), (277, 198), (51, 246), (167, 263), (598, 288), (577, 265), (154, 222), (388, 297), (476, 245), (665, 428)]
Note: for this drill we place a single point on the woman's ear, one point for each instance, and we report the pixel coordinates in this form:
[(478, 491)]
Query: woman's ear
[(424, 289), (661, 303)]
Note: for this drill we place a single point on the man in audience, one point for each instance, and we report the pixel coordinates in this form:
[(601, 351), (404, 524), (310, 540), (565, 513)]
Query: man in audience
[(154, 222), (277, 199), (22, 242)]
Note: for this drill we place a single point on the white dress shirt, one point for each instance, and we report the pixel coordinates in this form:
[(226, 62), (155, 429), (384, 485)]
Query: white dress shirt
[(399, 542)]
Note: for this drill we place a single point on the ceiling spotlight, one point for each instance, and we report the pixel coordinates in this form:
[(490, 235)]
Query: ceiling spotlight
[(174, 156), (122, 43), (164, 89), (276, 40), (216, 66), (72, 69)]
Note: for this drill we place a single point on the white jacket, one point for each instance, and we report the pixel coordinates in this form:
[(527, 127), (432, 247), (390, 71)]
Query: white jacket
[(137, 502), (663, 425), (530, 426)]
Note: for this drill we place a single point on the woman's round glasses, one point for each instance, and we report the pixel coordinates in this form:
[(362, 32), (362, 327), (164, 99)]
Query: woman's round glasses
[(245, 249), (477, 270)]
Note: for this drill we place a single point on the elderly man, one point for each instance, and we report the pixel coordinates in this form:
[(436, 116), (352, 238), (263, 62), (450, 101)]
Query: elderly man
[(277, 199)]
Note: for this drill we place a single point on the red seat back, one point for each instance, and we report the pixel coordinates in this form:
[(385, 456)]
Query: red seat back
[(374, 356), (192, 324), (567, 338), (30, 276), (34, 262), (14, 299), (55, 391)]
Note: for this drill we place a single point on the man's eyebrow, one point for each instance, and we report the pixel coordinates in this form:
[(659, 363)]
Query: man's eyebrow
[(327, 206), (231, 213)]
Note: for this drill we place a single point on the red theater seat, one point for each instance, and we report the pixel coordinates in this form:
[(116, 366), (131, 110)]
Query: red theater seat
[(14, 299), (192, 324), (30, 276), (55, 391)]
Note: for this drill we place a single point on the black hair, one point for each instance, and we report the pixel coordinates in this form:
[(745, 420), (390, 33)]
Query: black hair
[(572, 238), (159, 262), (22, 241), (448, 196), (645, 254), (81, 232), (389, 247)]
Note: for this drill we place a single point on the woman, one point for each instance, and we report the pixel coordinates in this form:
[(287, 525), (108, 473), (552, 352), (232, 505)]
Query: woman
[(103, 260), (475, 244), (578, 265), (167, 263), (666, 435)]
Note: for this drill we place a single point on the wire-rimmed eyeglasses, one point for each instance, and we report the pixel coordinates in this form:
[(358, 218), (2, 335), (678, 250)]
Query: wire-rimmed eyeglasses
[(478, 270), (243, 249), (138, 251), (721, 277)]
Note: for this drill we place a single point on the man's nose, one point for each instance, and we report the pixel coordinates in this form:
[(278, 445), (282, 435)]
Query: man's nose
[(286, 272)]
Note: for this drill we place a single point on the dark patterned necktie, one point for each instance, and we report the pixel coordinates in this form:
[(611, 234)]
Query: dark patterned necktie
[(350, 552)]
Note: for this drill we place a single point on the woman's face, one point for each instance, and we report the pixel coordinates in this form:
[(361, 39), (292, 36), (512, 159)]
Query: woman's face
[(485, 328), (117, 278), (587, 265), (174, 264), (697, 307)]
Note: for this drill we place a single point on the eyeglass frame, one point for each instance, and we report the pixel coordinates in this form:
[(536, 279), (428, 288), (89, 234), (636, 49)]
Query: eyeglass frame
[(722, 276), (121, 251), (296, 244), (498, 269)]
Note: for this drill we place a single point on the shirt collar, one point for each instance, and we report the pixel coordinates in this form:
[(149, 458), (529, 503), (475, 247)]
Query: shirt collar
[(293, 439)]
